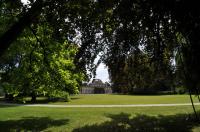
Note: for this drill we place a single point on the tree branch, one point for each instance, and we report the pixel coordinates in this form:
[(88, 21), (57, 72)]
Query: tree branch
[(17, 28)]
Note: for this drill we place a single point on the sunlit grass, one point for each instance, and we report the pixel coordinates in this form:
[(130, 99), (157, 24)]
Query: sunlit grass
[(114, 99), (21, 118), (127, 99), (87, 119)]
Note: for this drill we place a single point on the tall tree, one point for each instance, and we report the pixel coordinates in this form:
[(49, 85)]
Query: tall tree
[(40, 66)]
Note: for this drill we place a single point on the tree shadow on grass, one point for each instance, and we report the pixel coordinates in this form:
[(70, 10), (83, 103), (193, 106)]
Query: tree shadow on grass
[(7, 105), (143, 123), (75, 98), (30, 124)]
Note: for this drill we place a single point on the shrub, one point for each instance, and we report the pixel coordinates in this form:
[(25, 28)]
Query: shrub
[(181, 90), (57, 95)]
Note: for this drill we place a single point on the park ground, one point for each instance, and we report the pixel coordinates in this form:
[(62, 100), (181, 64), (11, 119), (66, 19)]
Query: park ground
[(120, 119)]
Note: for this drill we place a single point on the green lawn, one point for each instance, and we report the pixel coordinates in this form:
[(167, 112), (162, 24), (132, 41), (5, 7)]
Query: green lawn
[(114, 99), (164, 119), (97, 119), (127, 99)]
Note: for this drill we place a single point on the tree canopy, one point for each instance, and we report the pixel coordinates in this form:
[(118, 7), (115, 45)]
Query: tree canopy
[(39, 64), (121, 32)]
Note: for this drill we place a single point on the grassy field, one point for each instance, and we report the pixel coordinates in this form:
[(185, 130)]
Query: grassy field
[(127, 99), (114, 99), (97, 119), (140, 119)]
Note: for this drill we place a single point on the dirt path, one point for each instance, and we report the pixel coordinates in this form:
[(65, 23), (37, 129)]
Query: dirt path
[(98, 106)]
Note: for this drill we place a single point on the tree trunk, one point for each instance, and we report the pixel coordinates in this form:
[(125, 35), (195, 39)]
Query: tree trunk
[(33, 97), (9, 97)]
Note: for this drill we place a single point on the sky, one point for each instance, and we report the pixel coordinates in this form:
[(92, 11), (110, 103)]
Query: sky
[(102, 73), (24, 1)]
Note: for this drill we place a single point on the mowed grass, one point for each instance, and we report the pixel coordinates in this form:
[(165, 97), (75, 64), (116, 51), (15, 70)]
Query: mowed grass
[(107, 99), (147, 119), (140, 119), (116, 99)]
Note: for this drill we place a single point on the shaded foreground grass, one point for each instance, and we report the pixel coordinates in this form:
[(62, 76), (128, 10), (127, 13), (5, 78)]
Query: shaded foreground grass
[(143, 123), (31, 123), (98, 119)]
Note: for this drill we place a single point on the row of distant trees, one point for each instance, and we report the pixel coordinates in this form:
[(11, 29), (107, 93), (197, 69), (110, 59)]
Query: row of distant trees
[(138, 73)]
